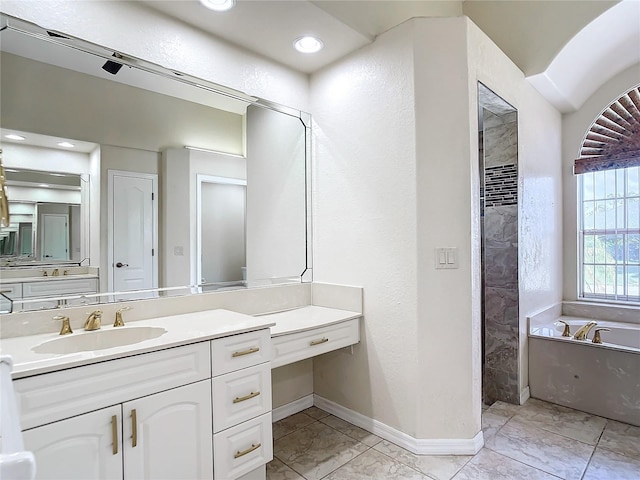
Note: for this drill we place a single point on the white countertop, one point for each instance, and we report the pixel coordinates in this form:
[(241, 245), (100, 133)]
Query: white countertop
[(307, 318), (181, 330)]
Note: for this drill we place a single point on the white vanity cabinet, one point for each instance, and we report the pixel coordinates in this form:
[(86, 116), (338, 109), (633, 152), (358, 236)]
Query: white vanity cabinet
[(80, 447), (153, 415), (163, 438)]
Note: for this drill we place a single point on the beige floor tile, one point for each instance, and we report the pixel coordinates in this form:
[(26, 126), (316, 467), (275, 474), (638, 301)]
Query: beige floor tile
[(276, 470), (564, 421), (290, 424), (621, 438), (492, 421), (488, 465), (504, 408), (373, 465), (315, 412), (316, 450), (547, 451), (612, 466), (440, 467), (352, 431)]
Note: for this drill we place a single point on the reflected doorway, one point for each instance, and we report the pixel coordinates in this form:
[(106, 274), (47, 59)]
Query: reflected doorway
[(221, 238)]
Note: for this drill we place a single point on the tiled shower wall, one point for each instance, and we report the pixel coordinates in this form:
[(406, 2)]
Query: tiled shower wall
[(500, 258)]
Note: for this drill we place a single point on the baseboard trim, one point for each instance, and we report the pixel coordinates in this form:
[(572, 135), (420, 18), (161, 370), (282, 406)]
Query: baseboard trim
[(419, 446), (292, 407), (525, 394)]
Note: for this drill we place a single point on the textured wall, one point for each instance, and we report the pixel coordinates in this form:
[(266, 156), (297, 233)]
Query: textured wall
[(365, 223)]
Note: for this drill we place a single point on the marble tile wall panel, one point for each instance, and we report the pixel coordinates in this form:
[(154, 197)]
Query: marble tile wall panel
[(500, 385), (501, 227), (501, 144)]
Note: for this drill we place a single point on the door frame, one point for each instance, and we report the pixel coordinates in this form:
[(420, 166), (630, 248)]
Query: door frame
[(196, 273), (110, 221)]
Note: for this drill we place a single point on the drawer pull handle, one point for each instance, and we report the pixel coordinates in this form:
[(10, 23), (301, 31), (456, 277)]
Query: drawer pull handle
[(318, 342), (246, 397), (245, 352), (114, 433), (134, 428), (248, 450)]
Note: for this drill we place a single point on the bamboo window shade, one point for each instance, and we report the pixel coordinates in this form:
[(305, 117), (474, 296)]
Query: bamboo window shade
[(613, 141)]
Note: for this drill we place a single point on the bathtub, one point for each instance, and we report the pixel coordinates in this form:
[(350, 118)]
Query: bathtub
[(602, 379)]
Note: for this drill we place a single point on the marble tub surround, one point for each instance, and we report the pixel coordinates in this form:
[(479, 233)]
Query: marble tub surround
[(253, 301), (602, 311), (536, 440)]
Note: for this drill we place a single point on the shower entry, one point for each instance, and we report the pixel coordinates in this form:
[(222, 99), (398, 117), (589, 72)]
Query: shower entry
[(498, 156)]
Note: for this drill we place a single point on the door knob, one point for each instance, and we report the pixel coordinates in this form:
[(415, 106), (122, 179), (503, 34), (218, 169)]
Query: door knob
[(120, 264)]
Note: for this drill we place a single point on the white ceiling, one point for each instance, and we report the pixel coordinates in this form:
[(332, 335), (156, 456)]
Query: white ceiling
[(549, 40)]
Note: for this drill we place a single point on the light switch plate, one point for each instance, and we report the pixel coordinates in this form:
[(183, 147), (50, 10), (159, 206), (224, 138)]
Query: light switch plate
[(446, 258)]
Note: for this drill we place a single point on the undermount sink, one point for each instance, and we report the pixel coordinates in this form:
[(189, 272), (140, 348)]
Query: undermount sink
[(98, 340)]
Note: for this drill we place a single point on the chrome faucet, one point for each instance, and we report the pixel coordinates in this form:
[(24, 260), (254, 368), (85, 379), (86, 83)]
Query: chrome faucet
[(93, 321), (582, 332)]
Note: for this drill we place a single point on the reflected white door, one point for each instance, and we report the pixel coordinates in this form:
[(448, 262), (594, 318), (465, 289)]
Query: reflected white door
[(55, 237), (133, 233), (222, 220)]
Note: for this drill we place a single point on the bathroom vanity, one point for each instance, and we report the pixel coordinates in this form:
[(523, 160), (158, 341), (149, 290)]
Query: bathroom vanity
[(182, 396)]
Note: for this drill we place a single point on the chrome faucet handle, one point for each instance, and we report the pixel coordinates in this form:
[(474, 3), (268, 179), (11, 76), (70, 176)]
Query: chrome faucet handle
[(596, 335), (119, 322), (567, 331), (66, 327)]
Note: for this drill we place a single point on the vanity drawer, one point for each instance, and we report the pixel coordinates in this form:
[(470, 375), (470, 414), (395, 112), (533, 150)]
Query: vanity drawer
[(12, 290), (54, 396), (243, 448), (241, 395), (240, 351), (293, 347), (59, 287)]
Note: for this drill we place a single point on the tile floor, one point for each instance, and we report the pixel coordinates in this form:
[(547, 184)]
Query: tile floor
[(537, 440)]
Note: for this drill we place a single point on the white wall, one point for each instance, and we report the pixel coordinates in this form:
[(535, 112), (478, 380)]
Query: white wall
[(396, 175), (574, 128), (364, 220)]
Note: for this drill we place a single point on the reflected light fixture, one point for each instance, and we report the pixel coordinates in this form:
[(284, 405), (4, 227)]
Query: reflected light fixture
[(218, 5), (308, 44), (66, 144), (13, 136)]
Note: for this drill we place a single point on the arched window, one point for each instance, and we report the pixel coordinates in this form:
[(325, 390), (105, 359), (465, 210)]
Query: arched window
[(609, 188)]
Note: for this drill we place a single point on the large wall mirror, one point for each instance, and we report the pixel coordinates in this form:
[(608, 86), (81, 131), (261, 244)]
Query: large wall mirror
[(172, 184)]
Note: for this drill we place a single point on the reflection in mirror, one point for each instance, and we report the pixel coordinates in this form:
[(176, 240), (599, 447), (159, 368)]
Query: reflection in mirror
[(136, 123)]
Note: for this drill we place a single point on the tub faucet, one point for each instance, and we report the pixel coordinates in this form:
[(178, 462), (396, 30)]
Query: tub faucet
[(93, 321), (582, 332)]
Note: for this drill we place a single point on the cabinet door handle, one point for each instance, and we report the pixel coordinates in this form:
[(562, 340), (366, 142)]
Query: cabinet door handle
[(245, 352), (114, 433), (246, 397), (134, 428), (318, 342), (248, 450)]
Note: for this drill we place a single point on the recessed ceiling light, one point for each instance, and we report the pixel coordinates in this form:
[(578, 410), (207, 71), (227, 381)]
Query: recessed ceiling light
[(308, 44), (44, 185), (66, 144), (13, 136), (219, 5)]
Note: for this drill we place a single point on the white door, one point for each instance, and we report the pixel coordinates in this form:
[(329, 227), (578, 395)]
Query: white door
[(80, 448), (222, 238), (55, 237), (133, 231), (172, 440)]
